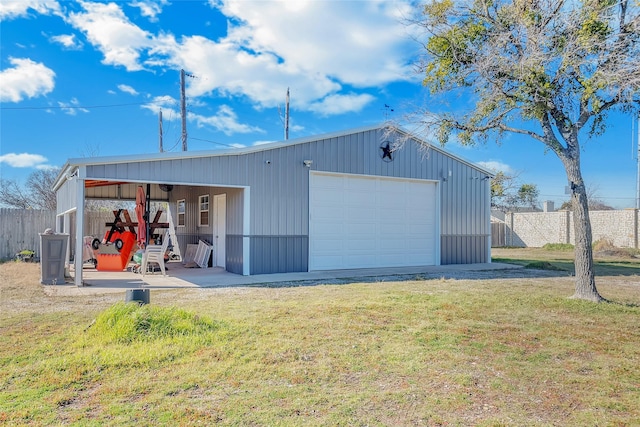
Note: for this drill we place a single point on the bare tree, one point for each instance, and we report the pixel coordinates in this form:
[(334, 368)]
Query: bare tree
[(37, 193), (594, 201), (550, 70)]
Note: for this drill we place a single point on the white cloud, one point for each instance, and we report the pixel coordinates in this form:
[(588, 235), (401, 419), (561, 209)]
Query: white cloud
[(497, 166), (10, 9), (23, 160), (150, 9), (225, 120), (356, 42), (257, 143), (69, 41), (262, 77), (72, 107), (107, 28), (26, 79), (277, 44), (324, 51), (163, 103), (46, 167), (337, 104), (128, 89)]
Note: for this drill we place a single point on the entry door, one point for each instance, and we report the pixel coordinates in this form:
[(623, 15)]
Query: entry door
[(220, 229)]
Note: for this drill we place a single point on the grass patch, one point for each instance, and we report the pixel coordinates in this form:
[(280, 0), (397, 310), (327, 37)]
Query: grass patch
[(617, 263), (558, 246), (423, 352), (127, 323), (543, 265)]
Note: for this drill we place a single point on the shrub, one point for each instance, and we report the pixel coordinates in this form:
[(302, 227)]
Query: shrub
[(603, 244)]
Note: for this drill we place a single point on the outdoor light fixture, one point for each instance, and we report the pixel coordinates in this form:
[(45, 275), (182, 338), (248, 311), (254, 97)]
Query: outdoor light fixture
[(307, 163)]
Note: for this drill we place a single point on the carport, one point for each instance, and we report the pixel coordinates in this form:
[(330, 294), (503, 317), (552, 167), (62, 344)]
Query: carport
[(76, 182)]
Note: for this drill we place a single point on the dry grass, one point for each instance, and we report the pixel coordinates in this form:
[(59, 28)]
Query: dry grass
[(435, 352)]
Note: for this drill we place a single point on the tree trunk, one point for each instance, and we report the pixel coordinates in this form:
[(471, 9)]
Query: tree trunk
[(585, 277)]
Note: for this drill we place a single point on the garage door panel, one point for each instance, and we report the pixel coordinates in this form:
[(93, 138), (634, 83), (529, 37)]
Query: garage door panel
[(362, 261), (363, 230), (392, 229), (371, 222), (360, 245), (328, 234), (420, 217), (392, 198), (416, 246), (392, 213), (391, 245)]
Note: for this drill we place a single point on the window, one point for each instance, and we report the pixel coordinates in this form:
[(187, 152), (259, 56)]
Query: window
[(181, 212), (203, 203)]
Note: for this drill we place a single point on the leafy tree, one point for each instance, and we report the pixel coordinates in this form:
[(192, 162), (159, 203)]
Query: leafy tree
[(37, 193), (551, 70), (507, 194)]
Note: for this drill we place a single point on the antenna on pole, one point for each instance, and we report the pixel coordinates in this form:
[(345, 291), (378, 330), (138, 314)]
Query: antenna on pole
[(160, 131), (387, 110), (286, 118), (183, 111)]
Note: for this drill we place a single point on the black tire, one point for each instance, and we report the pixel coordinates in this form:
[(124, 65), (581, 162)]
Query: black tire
[(119, 244), (95, 244)]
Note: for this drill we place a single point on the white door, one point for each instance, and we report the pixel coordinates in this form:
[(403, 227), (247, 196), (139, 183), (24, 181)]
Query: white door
[(219, 229), (358, 221)]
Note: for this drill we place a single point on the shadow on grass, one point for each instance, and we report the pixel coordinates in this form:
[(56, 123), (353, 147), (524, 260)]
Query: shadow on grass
[(602, 268)]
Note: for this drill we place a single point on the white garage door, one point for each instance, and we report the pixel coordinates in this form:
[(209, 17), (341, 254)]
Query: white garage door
[(360, 221)]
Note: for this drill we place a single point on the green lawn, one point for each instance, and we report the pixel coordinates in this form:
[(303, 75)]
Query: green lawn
[(607, 263), (424, 352)]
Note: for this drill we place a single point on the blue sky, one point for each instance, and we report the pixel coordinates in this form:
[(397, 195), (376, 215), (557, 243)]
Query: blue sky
[(87, 78)]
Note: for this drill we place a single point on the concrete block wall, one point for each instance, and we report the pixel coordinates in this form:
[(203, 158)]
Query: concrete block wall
[(535, 229), (620, 227)]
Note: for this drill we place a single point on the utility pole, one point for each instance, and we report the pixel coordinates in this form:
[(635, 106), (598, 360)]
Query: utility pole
[(183, 111), (286, 118), (160, 131), (638, 156)]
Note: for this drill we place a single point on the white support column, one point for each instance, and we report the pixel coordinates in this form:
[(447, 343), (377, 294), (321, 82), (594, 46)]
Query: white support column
[(246, 230), (79, 181), (488, 213), (66, 228)]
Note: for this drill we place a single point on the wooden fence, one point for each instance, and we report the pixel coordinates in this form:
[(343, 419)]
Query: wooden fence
[(20, 228)]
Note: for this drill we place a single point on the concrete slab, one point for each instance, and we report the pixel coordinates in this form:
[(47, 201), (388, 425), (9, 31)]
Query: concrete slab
[(96, 282)]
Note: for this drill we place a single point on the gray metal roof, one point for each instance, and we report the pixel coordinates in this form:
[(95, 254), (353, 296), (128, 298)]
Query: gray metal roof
[(73, 163)]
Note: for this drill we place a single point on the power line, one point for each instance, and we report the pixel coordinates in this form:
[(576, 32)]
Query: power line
[(213, 142), (78, 106)]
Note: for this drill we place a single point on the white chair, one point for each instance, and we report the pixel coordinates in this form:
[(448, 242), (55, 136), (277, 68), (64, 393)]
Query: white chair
[(155, 254)]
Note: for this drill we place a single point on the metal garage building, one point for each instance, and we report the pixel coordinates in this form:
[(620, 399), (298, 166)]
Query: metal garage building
[(352, 199)]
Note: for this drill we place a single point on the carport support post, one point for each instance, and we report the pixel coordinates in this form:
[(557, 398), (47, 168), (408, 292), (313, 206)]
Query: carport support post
[(146, 214), (79, 229)]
